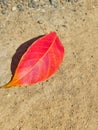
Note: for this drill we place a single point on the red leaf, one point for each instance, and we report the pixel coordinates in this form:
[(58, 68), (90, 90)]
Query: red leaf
[(40, 61)]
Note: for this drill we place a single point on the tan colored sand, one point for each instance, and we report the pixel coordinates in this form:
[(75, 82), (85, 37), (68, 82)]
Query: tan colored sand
[(68, 100)]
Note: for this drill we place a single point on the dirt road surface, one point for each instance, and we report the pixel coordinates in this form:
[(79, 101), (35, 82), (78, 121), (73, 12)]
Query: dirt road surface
[(69, 99)]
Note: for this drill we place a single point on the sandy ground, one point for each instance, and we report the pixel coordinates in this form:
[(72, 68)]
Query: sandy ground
[(69, 99)]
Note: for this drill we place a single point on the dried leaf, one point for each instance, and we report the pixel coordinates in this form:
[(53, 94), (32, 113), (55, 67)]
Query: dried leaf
[(41, 60)]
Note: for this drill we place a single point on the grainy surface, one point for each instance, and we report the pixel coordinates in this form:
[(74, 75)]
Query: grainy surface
[(68, 100)]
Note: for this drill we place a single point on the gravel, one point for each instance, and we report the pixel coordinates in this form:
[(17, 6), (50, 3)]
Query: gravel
[(6, 5)]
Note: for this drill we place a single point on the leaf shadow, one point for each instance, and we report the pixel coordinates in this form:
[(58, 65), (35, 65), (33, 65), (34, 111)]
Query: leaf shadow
[(20, 52)]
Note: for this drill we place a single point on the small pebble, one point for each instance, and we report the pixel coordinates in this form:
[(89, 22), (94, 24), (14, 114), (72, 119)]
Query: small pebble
[(3, 11), (13, 8), (39, 22), (19, 6), (4, 2), (54, 3), (32, 4)]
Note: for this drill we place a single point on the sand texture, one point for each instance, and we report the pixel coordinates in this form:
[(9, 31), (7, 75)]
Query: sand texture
[(69, 99)]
